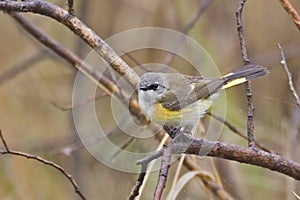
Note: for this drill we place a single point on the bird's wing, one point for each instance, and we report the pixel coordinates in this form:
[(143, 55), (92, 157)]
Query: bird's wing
[(193, 89)]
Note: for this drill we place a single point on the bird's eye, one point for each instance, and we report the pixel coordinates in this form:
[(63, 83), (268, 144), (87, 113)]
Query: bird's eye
[(154, 86)]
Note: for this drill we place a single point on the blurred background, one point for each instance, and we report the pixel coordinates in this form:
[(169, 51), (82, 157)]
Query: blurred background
[(31, 123)]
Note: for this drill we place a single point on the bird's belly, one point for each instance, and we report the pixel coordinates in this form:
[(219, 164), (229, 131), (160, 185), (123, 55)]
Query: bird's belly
[(188, 115)]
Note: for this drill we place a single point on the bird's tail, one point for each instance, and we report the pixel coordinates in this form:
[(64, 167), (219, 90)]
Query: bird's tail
[(243, 74)]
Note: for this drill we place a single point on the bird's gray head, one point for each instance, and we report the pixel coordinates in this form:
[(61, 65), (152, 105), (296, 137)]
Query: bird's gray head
[(152, 86), (152, 81)]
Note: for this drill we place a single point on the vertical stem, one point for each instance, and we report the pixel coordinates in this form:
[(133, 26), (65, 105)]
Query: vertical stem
[(163, 173), (250, 107)]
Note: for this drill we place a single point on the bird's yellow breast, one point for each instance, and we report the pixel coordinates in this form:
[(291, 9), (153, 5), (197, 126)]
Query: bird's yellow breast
[(188, 115)]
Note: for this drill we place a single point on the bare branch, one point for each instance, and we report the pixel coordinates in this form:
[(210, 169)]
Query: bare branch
[(163, 173), (250, 107), (70, 4), (144, 162), (235, 130), (195, 17), (288, 74), (291, 11), (4, 142), (61, 51), (103, 82), (139, 182), (251, 156), (125, 145), (77, 27), (237, 153), (84, 102), (21, 66), (43, 161), (241, 31), (209, 183), (296, 195)]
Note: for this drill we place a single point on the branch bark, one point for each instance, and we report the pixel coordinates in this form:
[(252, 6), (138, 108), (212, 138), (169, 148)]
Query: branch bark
[(251, 156), (291, 11), (250, 106), (43, 161), (77, 27)]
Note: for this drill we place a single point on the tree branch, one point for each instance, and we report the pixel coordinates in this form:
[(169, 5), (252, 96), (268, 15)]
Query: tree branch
[(208, 181), (194, 18), (77, 27), (291, 11), (237, 153), (43, 161), (163, 173), (289, 75), (21, 66), (144, 163), (233, 152), (235, 130), (251, 156), (70, 4), (250, 107), (76, 62)]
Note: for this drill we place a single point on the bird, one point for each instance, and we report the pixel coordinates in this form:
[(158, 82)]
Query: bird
[(175, 99)]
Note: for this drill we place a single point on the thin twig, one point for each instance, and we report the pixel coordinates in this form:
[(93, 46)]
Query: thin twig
[(158, 151), (70, 4), (135, 190), (70, 148), (177, 173), (144, 163), (82, 13), (41, 160), (103, 82), (296, 195), (288, 74), (163, 173), (67, 55), (21, 66), (84, 102), (123, 146), (4, 142), (240, 30), (195, 17), (208, 181), (190, 164), (79, 28), (291, 11), (150, 157), (135, 61), (250, 107), (235, 130), (219, 149)]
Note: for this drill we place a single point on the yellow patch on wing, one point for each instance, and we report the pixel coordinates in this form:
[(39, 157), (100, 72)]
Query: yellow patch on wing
[(234, 82)]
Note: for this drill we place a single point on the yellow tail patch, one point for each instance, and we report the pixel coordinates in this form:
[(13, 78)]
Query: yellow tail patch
[(234, 82)]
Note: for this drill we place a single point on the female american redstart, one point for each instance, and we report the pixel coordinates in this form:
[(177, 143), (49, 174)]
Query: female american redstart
[(175, 99)]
